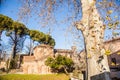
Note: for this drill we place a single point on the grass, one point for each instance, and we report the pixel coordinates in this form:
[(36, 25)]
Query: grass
[(34, 77)]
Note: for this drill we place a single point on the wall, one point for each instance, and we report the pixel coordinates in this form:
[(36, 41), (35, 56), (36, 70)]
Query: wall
[(36, 64)]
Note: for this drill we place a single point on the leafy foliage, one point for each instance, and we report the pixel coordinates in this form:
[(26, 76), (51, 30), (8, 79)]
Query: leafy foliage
[(107, 52), (5, 22), (19, 28), (60, 63), (41, 37)]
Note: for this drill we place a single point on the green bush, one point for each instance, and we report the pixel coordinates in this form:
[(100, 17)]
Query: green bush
[(2, 69), (60, 64)]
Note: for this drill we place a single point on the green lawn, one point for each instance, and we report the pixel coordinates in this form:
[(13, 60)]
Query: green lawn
[(34, 77)]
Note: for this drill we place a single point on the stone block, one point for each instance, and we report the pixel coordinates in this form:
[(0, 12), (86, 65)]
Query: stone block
[(102, 76)]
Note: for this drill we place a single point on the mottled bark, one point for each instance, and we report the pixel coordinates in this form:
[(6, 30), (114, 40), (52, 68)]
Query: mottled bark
[(93, 31)]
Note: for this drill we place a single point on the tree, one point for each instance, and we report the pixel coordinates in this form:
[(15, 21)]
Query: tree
[(15, 30), (60, 62), (5, 22), (93, 29), (17, 35)]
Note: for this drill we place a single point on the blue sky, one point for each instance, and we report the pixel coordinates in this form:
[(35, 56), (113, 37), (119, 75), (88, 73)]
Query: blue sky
[(64, 39)]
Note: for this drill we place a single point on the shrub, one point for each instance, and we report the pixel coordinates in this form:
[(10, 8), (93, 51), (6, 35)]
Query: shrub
[(60, 64), (13, 64), (2, 69)]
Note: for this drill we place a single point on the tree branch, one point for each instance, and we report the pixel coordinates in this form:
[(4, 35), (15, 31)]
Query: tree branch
[(12, 38), (80, 26)]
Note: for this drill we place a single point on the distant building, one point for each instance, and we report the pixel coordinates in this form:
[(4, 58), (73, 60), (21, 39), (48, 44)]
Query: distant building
[(35, 64), (114, 58)]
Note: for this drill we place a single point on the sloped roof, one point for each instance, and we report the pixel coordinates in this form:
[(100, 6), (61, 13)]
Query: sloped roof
[(63, 51)]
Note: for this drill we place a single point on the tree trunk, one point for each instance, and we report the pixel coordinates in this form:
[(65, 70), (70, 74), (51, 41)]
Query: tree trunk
[(66, 72), (14, 51), (0, 34), (31, 47), (93, 32), (0, 38)]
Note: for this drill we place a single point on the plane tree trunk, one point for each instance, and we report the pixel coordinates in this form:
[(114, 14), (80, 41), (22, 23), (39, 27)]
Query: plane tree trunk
[(93, 32)]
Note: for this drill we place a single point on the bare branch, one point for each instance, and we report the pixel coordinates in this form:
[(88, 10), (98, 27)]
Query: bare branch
[(11, 38)]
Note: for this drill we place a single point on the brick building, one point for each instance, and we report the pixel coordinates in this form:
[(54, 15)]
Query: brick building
[(35, 64)]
